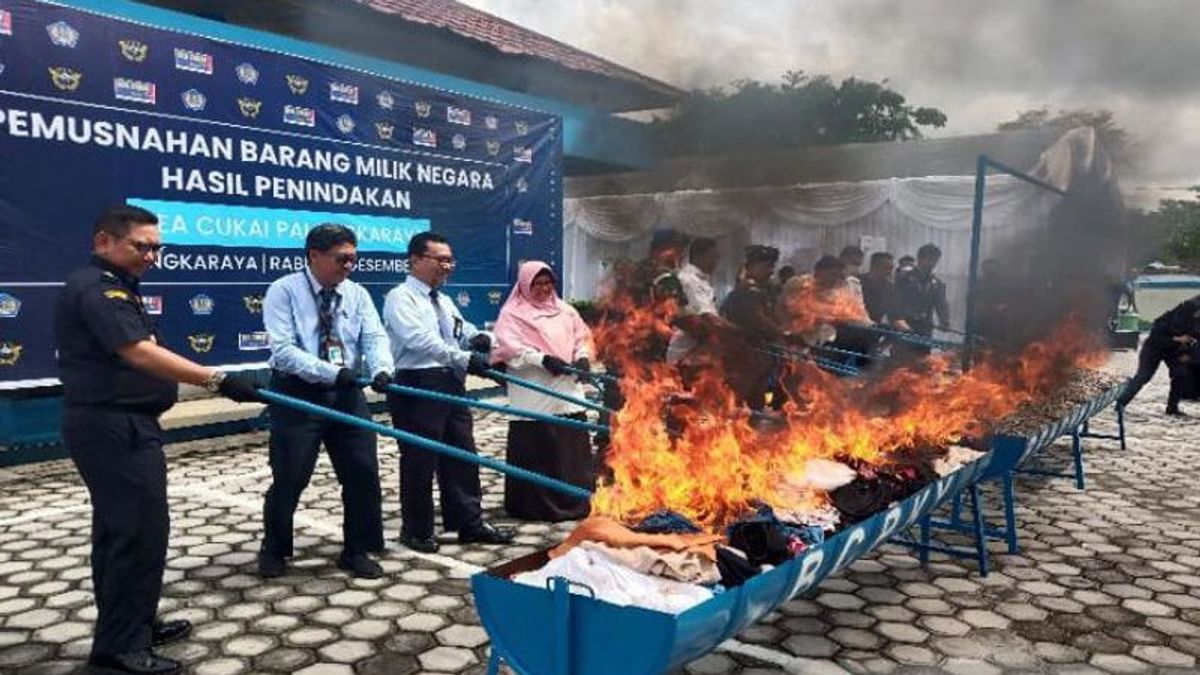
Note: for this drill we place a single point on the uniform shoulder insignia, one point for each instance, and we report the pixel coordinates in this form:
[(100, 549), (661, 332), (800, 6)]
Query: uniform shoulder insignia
[(117, 294)]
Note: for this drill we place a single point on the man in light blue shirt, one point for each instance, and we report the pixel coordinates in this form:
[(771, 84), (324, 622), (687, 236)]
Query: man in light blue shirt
[(325, 333), (435, 348)]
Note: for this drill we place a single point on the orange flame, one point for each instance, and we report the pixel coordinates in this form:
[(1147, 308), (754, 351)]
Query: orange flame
[(696, 453)]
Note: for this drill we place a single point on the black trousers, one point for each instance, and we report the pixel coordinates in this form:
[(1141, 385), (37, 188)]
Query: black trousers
[(1154, 351), (458, 481), (557, 451), (296, 438), (119, 455)]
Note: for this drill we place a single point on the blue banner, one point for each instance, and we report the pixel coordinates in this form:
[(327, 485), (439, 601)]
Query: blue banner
[(240, 151)]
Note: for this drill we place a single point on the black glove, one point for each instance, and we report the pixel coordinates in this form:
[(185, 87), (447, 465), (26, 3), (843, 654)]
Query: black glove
[(554, 364), (478, 364), (381, 381), (480, 342), (240, 389), (345, 379), (584, 367)]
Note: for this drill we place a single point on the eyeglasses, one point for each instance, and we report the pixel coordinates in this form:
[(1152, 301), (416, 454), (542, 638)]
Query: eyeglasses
[(343, 259), (447, 261), (143, 247)]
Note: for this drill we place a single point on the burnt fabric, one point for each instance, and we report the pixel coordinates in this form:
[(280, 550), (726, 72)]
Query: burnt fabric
[(874, 490), (666, 521), (766, 540), (551, 450), (735, 569)]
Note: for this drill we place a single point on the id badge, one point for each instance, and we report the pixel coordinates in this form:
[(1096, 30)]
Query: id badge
[(458, 328), (336, 355)]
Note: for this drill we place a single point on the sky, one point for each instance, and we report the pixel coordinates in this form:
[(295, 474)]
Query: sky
[(979, 61)]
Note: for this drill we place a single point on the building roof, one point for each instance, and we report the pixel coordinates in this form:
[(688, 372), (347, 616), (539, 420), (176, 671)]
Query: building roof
[(508, 37)]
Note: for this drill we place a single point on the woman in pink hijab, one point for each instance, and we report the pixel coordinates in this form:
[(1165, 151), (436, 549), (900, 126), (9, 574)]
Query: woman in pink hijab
[(537, 336)]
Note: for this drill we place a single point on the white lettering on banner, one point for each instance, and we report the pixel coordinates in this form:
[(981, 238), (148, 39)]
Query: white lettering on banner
[(300, 190), (231, 227), (377, 167), (208, 182), (287, 157), (83, 131), (386, 265), (207, 262), (285, 263), (450, 177)]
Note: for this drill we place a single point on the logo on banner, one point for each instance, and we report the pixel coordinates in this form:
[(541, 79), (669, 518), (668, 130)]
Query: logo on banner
[(153, 304), (385, 130), (522, 127), (66, 79), (193, 62), (343, 93), (133, 50), (523, 153), (62, 34), (201, 305), (458, 115), (522, 226), (201, 343), (425, 137), (5, 22), (493, 148), (193, 99), (254, 303), (252, 342), (459, 142), (494, 296), (1, 68), (298, 84), (423, 109), (294, 114), (491, 122), (247, 73), (10, 306), (136, 91), (464, 298), (385, 100), (249, 107), (10, 352), (522, 185), (345, 124)]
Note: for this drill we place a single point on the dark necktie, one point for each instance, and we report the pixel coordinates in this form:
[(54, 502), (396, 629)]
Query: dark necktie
[(444, 327), (325, 321)]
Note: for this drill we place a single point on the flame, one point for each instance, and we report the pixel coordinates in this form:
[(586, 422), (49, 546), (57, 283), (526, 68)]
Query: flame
[(695, 451), (805, 305)]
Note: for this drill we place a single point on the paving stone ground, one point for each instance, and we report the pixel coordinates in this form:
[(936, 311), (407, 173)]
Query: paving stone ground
[(1107, 580)]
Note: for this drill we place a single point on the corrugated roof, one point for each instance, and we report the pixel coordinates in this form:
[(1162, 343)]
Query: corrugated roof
[(509, 37)]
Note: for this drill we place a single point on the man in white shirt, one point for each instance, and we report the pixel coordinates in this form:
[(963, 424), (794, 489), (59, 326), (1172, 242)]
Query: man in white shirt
[(696, 279), (435, 348)]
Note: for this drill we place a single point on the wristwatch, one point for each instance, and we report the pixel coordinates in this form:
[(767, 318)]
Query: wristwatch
[(213, 383)]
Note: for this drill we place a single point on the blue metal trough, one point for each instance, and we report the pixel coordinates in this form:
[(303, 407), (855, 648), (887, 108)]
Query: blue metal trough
[(552, 631)]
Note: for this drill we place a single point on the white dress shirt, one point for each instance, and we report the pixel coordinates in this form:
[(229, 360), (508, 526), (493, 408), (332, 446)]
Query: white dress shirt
[(418, 339), (701, 299)]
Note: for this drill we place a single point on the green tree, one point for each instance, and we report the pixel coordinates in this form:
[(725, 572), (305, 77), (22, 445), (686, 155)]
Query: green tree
[(803, 110), (1117, 140), (1180, 219)]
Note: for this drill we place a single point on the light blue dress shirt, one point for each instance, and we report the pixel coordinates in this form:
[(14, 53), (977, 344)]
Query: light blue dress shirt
[(290, 314), (418, 339)]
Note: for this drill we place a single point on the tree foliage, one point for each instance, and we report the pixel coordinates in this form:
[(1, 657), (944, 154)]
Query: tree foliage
[(803, 110), (1180, 218)]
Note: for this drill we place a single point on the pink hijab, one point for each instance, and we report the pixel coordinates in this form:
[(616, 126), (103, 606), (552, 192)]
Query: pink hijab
[(551, 327)]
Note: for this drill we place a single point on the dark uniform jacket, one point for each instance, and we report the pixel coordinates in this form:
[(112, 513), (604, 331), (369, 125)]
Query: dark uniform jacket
[(98, 312), (879, 296), (919, 298)]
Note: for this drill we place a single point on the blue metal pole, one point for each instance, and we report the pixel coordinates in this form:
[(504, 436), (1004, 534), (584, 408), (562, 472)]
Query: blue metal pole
[(495, 374), (599, 377), (981, 165), (425, 443), (914, 338), (494, 407)]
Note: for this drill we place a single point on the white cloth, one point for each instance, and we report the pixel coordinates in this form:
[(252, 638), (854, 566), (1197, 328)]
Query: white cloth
[(528, 366), (701, 299), (615, 583)]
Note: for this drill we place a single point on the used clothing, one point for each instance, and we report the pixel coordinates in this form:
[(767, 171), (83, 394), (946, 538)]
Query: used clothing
[(613, 582), (552, 450), (426, 329), (608, 531), (292, 318), (768, 541), (665, 521), (686, 566)]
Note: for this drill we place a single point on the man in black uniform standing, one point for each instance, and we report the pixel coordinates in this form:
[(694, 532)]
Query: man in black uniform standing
[(117, 379), (1174, 333), (922, 295)]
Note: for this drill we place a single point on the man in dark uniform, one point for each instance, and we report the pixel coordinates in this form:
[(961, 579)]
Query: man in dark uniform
[(117, 379), (325, 335), (751, 308), (922, 295), (1174, 333)]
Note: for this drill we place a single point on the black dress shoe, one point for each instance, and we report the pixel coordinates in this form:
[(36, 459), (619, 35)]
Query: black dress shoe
[(360, 565), (426, 545), (486, 534), (270, 565), (143, 662), (1176, 412), (166, 632)]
